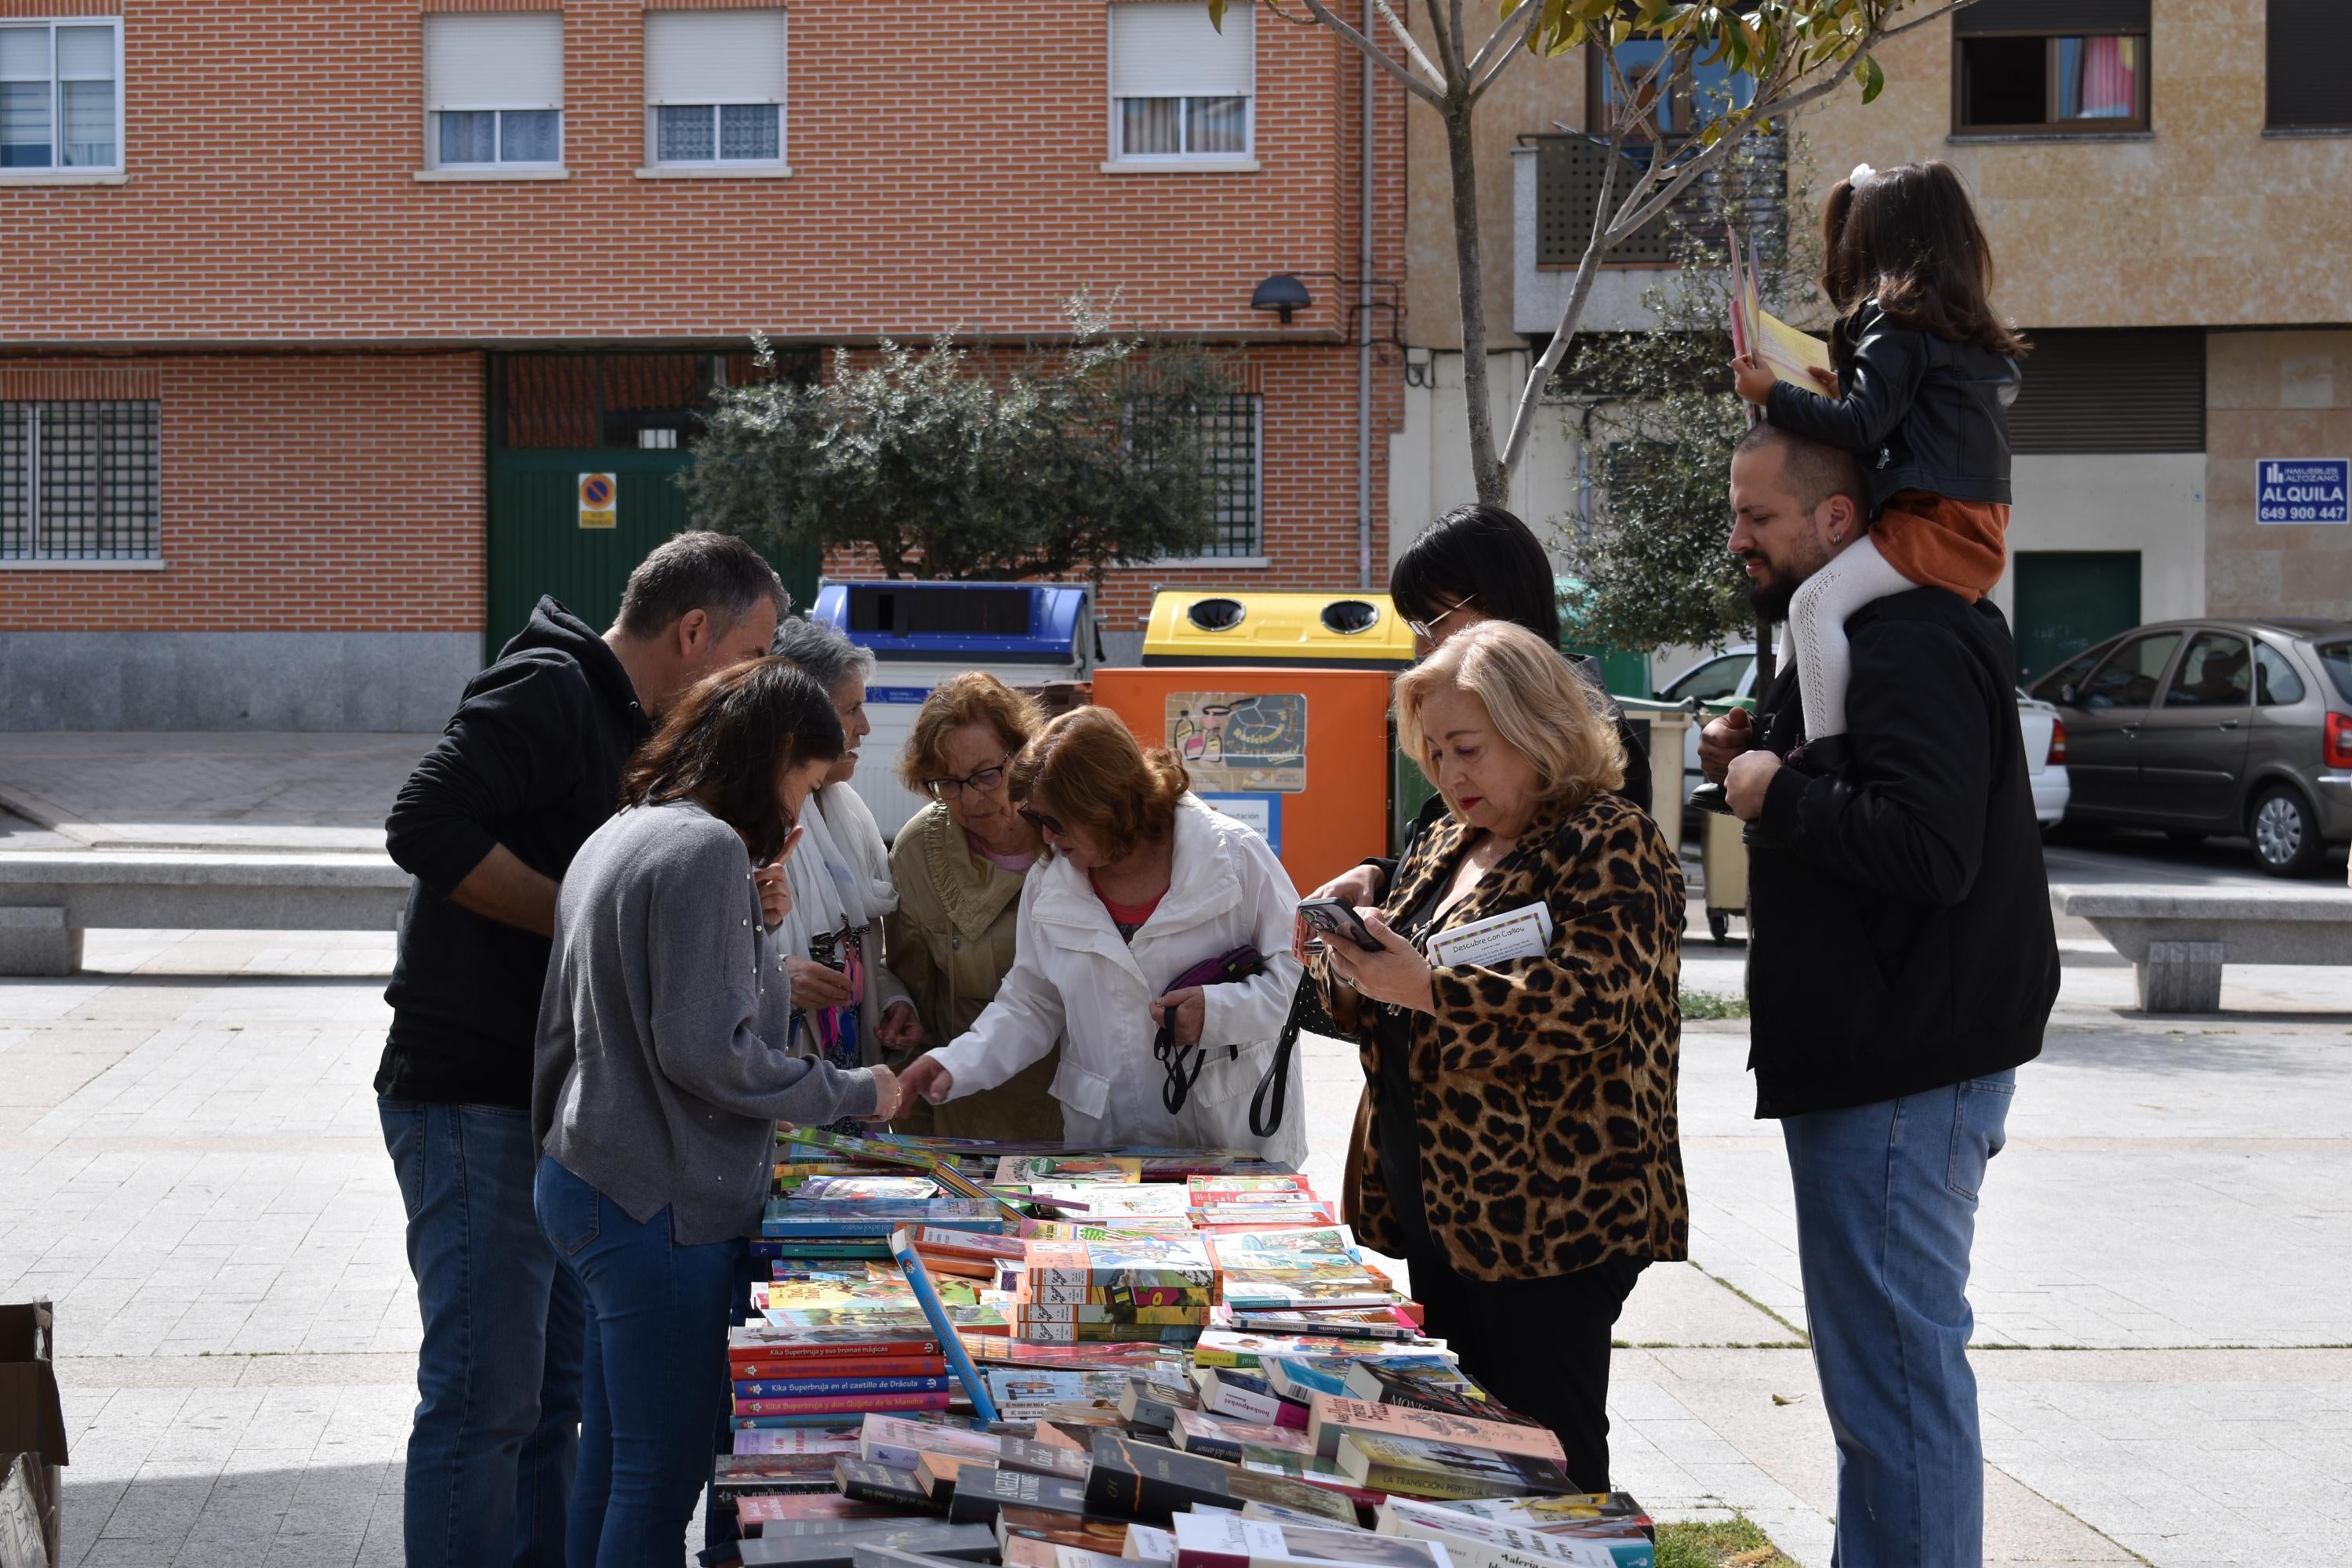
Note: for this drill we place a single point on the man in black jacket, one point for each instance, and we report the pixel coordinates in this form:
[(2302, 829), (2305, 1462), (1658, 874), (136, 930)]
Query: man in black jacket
[(527, 769), (1901, 966)]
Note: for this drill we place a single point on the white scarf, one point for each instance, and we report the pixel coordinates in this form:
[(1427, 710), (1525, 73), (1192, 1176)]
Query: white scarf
[(838, 831)]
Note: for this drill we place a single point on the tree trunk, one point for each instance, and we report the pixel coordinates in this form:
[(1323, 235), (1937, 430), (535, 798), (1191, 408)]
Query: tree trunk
[(1494, 489)]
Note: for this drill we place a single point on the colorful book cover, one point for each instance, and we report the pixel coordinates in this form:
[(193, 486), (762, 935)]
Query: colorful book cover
[(902, 1244), (867, 1189), (1022, 1170), (1329, 1418), (1421, 1467)]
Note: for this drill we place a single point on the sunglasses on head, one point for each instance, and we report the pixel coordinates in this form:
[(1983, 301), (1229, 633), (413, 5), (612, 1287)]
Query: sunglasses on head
[(1040, 821)]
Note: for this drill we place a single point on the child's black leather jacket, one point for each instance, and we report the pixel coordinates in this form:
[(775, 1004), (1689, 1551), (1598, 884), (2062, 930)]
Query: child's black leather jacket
[(1923, 412)]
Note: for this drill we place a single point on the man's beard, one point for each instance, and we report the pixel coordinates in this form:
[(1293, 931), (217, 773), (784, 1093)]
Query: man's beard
[(1770, 601)]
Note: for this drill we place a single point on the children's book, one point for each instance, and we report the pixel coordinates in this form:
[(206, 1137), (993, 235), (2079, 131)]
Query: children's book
[(1785, 350)]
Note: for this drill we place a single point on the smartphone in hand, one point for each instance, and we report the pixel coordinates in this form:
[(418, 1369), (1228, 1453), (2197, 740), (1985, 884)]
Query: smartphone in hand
[(1333, 918)]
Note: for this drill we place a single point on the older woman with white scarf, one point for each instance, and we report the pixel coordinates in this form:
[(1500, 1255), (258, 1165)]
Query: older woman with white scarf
[(848, 1006)]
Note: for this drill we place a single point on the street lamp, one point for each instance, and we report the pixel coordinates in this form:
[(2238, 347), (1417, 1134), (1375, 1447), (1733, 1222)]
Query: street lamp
[(1282, 293)]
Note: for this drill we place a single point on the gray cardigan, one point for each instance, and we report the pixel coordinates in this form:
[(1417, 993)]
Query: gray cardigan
[(660, 1072)]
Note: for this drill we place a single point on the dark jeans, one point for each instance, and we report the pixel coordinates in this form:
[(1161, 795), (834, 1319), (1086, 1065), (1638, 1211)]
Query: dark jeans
[(656, 1370), (498, 1375), (1540, 1346)]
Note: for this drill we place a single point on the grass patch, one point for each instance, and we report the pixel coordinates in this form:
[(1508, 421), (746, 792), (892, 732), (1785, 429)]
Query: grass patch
[(1734, 1543), (1713, 1004)]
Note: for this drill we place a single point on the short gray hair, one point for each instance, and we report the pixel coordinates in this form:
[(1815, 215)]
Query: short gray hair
[(826, 655), (717, 573)]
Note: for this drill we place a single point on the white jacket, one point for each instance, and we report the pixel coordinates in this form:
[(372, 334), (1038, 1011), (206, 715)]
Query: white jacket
[(1073, 980)]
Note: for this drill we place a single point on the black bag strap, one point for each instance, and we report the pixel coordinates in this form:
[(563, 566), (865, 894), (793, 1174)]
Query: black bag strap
[(1307, 1010), (1183, 1064)]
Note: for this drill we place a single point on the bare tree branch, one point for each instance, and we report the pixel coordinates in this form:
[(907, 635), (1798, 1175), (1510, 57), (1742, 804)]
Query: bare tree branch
[(1643, 205), (1397, 26), (1372, 51), (1513, 36)]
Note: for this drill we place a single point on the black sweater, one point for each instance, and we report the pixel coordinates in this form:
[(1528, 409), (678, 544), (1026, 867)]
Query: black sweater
[(532, 760), (1899, 912)]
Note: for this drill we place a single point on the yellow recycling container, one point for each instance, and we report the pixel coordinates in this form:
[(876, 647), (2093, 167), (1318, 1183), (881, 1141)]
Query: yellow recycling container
[(1329, 631)]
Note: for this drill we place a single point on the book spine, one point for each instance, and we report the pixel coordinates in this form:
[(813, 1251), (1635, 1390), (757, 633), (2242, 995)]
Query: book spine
[(902, 1244), (754, 1368), (833, 1387), (801, 1354), (760, 1423)]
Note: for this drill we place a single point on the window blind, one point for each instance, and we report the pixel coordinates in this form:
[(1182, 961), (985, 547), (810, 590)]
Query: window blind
[(2111, 392), (1162, 50), (2309, 43), (2051, 16), (714, 57), (495, 60)]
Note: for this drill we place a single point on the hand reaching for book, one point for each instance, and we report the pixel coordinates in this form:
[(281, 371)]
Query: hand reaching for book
[(888, 1093), (1752, 378), (926, 1077)]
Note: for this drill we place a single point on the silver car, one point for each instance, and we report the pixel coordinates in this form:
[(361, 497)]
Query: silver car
[(2215, 727)]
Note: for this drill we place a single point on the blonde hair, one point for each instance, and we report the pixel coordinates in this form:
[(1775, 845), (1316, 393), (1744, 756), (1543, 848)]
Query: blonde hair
[(975, 696), (1087, 770), (1539, 707)]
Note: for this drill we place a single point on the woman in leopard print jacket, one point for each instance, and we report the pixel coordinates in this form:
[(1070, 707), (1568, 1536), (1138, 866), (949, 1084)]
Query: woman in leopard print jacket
[(1522, 1154)]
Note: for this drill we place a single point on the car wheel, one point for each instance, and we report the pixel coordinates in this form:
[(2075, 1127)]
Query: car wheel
[(2286, 839)]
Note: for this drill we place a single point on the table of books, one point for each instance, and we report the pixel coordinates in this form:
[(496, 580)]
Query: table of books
[(1034, 1354)]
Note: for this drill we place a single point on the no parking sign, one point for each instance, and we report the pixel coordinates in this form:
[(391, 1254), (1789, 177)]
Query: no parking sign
[(599, 500)]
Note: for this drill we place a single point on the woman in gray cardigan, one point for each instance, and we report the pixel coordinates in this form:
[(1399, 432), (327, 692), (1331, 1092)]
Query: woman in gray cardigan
[(660, 1075)]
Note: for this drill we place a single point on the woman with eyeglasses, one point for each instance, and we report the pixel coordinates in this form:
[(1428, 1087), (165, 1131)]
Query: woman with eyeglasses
[(1143, 884), (1475, 564), (959, 864)]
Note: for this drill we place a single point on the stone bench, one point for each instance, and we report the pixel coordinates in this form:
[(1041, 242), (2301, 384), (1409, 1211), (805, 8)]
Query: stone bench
[(47, 899), (2179, 937)]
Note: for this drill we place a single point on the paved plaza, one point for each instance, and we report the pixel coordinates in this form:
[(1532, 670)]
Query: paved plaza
[(193, 1170)]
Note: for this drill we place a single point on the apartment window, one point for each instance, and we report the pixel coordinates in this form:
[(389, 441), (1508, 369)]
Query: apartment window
[(715, 88), (79, 481), (60, 96), (1233, 432), (2051, 66), (1181, 90), (2307, 87), (494, 90), (1677, 105)]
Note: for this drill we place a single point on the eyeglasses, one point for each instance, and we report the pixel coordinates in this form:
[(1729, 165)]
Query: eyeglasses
[(986, 782), (1428, 628), (1040, 822)]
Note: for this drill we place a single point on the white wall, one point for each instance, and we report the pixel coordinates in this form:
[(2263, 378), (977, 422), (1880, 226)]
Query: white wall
[(1429, 459), (2151, 502)]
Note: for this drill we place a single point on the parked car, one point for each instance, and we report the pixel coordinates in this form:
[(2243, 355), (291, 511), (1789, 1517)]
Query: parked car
[(1732, 673), (2215, 727)]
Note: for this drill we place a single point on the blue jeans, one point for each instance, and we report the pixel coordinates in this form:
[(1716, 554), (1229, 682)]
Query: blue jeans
[(1887, 1208), (657, 1316), (498, 1375)]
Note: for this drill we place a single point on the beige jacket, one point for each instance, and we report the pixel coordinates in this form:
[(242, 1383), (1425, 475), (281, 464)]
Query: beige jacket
[(950, 939)]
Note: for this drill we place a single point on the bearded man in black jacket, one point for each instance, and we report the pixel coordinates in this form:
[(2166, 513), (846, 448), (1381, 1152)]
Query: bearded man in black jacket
[(1901, 966), (528, 767)]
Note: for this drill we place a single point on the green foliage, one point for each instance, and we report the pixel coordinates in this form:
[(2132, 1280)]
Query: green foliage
[(1712, 1004), (1663, 417), (1091, 455)]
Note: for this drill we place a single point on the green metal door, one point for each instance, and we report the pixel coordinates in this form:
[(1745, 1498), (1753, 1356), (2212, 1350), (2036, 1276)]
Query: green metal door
[(555, 418), (2069, 599)]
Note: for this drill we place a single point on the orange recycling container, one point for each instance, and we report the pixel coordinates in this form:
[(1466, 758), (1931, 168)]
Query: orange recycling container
[(1300, 754)]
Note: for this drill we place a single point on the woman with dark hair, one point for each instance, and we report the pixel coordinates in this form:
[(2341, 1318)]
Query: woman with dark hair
[(1143, 884), (1478, 563), (660, 1075)]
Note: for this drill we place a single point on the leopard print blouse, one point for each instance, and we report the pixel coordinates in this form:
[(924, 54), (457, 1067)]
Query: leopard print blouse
[(1544, 1088)]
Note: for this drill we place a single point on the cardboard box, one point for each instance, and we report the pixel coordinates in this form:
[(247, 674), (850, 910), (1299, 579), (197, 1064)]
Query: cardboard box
[(32, 1422)]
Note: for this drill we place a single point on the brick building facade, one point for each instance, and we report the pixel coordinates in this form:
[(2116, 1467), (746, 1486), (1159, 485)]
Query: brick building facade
[(259, 284)]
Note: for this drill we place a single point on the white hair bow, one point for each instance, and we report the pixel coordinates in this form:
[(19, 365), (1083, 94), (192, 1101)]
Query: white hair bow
[(1863, 174)]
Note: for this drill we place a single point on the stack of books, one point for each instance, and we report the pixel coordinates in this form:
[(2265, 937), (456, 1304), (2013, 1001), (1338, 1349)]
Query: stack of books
[(1088, 1358), (1116, 1284)]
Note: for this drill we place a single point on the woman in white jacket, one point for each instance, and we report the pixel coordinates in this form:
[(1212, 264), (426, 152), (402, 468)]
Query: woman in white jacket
[(1142, 883), (848, 1006)]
